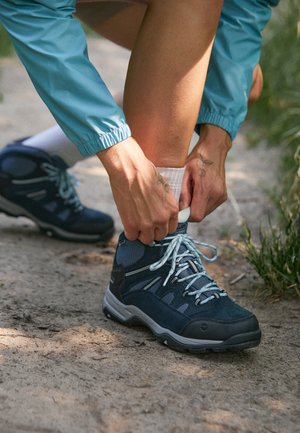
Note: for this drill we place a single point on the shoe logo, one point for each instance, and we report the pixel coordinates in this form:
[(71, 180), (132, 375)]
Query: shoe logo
[(203, 327)]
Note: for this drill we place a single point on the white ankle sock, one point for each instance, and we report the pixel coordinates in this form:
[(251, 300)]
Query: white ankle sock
[(174, 177), (55, 142)]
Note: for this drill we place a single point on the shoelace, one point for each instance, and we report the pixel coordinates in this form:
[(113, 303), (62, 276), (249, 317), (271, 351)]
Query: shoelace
[(65, 183), (178, 266)]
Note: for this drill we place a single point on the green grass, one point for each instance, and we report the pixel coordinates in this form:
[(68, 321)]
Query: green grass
[(5, 44), (276, 118), (278, 259)]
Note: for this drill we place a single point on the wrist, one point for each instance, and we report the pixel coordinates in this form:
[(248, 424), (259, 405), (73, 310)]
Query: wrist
[(122, 158), (214, 143), (214, 136)]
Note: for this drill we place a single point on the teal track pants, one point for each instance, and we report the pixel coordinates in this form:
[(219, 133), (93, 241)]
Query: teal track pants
[(235, 53), (52, 46)]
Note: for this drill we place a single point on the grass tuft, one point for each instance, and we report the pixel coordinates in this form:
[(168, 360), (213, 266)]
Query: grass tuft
[(276, 119), (277, 260)]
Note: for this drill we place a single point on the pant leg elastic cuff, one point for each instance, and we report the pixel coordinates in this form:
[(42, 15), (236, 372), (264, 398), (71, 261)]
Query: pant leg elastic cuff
[(94, 143), (219, 120)]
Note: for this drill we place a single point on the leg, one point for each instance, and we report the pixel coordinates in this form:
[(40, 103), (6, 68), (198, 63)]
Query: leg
[(55, 142), (153, 82), (168, 80), (150, 82), (226, 97), (118, 22), (173, 296), (184, 101)]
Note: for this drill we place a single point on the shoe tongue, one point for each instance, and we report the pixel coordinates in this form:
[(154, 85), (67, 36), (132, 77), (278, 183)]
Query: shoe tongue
[(59, 162), (181, 229)]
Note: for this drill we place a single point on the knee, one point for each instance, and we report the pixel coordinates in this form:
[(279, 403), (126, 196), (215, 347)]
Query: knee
[(256, 86)]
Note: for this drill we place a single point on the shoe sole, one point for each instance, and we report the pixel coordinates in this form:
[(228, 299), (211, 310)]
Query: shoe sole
[(11, 209), (130, 315)]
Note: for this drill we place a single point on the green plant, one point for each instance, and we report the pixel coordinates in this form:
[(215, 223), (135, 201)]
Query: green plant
[(276, 119), (277, 260), (5, 44)]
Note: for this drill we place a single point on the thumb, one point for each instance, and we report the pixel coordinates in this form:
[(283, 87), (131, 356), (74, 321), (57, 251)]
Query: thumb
[(186, 191)]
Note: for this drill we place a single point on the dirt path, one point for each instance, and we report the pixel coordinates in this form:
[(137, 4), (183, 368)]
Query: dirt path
[(65, 368)]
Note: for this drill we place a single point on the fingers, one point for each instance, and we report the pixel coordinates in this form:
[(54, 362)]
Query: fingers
[(204, 200), (131, 233), (201, 208), (198, 201), (198, 209), (147, 236), (148, 232), (173, 223), (186, 191), (147, 207), (160, 232), (198, 214)]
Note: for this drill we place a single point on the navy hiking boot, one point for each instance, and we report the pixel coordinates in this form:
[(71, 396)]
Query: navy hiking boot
[(166, 288), (36, 185)]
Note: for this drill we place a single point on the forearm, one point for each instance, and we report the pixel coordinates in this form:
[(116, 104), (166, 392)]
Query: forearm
[(52, 47), (235, 54)]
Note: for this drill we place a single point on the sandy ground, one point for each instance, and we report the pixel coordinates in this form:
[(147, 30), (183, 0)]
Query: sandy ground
[(64, 368)]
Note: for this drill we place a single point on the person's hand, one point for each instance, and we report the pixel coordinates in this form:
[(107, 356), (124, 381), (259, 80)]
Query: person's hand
[(147, 208), (204, 185)]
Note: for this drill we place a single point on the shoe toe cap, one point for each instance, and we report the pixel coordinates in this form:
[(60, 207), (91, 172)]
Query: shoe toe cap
[(216, 329), (92, 221)]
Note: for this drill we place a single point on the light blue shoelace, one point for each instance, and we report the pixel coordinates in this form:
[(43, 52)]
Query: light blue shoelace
[(178, 266), (65, 183)]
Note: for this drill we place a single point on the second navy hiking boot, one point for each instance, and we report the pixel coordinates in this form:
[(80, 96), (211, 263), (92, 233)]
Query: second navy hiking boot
[(36, 185), (166, 288)]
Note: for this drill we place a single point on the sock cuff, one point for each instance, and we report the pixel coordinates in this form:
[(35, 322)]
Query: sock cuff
[(174, 177)]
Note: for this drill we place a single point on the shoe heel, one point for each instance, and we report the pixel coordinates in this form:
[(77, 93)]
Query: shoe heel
[(10, 208), (115, 310)]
